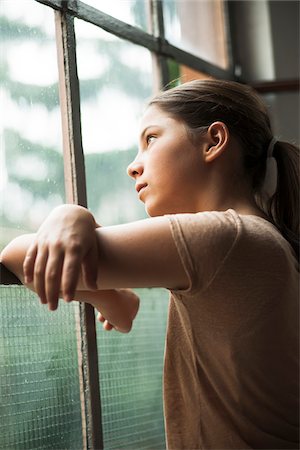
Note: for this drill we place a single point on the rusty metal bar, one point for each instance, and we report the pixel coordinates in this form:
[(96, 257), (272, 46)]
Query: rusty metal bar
[(76, 193)]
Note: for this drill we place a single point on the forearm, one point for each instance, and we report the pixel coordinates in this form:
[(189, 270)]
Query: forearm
[(118, 306)]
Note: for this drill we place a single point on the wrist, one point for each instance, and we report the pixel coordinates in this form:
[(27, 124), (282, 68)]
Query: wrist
[(71, 211)]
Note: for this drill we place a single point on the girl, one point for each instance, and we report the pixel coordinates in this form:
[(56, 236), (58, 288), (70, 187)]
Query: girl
[(222, 194)]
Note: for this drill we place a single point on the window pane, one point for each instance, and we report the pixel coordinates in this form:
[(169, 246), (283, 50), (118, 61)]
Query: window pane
[(179, 73), (31, 182), (133, 12), (197, 27), (39, 387), (131, 369), (115, 82)]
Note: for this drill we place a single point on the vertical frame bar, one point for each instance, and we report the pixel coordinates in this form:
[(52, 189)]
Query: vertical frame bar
[(76, 193), (160, 64), (230, 34)]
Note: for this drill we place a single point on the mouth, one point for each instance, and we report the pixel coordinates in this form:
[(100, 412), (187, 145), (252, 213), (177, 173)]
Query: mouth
[(140, 187)]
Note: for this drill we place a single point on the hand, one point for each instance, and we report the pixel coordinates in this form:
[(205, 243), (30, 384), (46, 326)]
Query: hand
[(117, 308), (106, 325), (65, 243)]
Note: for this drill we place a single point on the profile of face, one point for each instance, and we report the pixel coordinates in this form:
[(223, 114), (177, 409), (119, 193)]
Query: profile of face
[(168, 169)]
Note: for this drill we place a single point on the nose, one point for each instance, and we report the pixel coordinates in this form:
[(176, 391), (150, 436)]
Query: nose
[(135, 168)]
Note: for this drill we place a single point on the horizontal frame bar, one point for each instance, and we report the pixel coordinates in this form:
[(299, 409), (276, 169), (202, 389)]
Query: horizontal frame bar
[(139, 37), (290, 85), (7, 277)]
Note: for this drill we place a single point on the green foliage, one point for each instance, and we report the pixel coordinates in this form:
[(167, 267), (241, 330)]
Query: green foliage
[(174, 73), (31, 94), (22, 152), (14, 30)]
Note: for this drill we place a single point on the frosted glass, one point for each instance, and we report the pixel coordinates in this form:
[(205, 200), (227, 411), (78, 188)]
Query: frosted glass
[(39, 383)]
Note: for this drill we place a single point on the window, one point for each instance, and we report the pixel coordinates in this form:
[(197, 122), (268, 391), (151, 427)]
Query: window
[(199, 28), (111, 55)]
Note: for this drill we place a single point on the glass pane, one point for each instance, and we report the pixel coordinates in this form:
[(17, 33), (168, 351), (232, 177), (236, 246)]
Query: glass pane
[(115, 83), (39, 386), (133, 12), (179, 73), (131, 376), (197, 27), (31, 182)]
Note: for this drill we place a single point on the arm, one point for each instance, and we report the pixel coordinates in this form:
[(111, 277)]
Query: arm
[(117, 308), (138, 254)]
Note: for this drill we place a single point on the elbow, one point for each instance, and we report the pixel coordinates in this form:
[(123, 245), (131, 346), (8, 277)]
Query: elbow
[(12, 256)]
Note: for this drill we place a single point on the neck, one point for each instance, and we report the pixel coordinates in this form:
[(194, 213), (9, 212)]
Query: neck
[(231, 194)]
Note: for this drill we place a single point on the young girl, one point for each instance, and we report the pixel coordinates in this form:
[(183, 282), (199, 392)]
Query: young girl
[(222, 194)]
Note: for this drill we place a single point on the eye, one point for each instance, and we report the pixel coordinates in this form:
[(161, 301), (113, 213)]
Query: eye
[(150, 138)]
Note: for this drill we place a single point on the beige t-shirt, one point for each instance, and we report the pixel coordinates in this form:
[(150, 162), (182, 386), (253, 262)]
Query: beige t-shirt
[(231, 361)]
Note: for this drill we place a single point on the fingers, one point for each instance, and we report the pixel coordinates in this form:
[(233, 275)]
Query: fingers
[(53, 278), (70, 272), (106, 325), (100, 318), (28, 264), (39, 273)]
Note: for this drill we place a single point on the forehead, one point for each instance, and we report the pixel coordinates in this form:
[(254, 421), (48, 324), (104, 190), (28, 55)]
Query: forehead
[(154, 116)]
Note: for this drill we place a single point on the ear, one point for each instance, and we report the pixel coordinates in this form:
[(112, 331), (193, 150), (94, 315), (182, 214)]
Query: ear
[(217, 141)]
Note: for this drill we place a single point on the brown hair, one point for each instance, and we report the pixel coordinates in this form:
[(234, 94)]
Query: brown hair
[(202, 102)]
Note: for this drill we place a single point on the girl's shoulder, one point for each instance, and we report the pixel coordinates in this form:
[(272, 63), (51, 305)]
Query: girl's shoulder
[(214, 232)]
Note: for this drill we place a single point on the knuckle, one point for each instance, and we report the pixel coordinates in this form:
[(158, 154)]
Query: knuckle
[(75, 247), (38, 272), (57, 245), (52, 275)]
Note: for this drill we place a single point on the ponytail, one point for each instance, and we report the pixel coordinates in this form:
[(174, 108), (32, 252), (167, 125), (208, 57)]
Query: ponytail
[(283, 206)]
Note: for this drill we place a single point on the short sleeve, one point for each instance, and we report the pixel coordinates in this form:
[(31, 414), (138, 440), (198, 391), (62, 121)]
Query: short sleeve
[(204, 241)]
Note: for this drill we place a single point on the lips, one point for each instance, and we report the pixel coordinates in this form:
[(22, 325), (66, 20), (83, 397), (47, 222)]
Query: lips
[(140, 186)]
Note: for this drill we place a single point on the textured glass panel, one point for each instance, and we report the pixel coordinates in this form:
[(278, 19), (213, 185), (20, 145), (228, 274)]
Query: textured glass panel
[(133, 12), (131, 378), (197, 27), (39, 387), (115, 83), (31, 181)]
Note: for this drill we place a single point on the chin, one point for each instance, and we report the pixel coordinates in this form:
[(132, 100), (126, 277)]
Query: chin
[(153, 211), (156, 210)]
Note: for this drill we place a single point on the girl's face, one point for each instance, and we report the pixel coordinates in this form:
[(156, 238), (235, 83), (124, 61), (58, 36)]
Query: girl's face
[(168, 169)]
